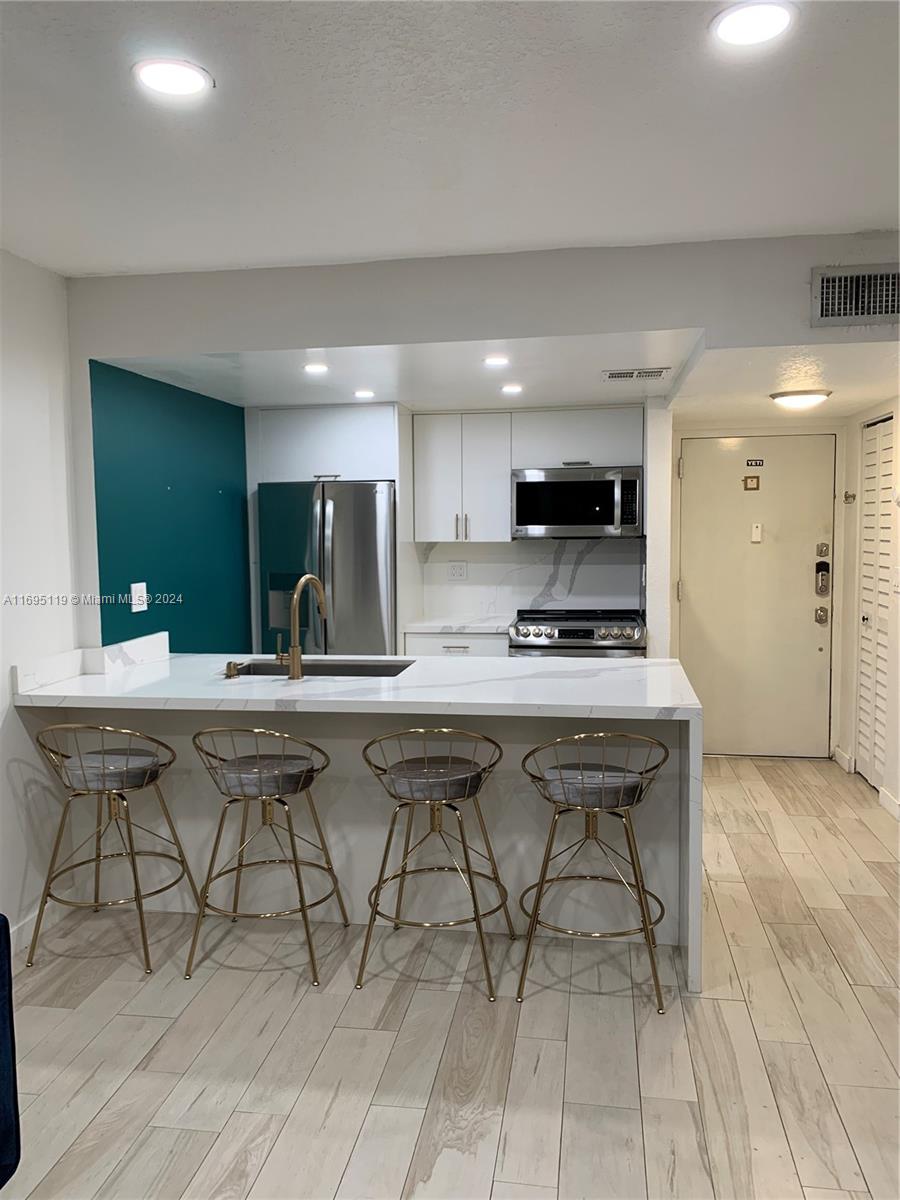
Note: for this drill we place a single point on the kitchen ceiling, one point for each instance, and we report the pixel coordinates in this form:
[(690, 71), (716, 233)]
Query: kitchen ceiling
[(348, 131), (736, 384), (439, 376)]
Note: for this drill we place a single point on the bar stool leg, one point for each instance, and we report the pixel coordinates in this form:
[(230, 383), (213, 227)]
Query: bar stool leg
[(205, 892), (476, 910), (538, 897), (407, 838), (239, 869), (177, 840), (138, 899), (376, 895), (644, 907), (323, 846), (495, 872), (98, 838), (46, 892), (303, 912)]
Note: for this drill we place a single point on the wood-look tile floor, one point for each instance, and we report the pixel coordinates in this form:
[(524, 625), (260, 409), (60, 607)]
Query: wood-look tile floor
[(780, 1081)]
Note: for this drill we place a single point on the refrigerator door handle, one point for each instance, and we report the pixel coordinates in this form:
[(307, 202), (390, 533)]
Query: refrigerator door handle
[(328, 564), (317, 626)]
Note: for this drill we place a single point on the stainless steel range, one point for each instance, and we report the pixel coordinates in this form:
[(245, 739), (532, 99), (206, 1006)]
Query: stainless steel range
[(602, 632)]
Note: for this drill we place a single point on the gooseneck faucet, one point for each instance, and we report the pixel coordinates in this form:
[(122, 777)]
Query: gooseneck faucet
[(295, 659)]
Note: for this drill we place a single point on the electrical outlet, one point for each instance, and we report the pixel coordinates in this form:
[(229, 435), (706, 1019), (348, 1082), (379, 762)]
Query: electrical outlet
[(457, 570), (139, 597)]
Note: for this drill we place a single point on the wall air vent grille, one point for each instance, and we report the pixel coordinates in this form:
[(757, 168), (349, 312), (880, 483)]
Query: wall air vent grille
[(635, 373), (865, 295)]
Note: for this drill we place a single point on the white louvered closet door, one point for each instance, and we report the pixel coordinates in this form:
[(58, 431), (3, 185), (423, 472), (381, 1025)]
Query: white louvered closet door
[(876, 569)]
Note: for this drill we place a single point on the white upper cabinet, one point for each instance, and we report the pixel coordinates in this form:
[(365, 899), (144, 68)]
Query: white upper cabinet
[(347, 441), (600, 437), (437, 463), (485, 477), (462, 484)]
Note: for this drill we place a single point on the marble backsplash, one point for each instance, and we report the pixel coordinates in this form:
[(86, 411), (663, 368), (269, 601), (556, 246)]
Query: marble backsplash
[(532, 574)]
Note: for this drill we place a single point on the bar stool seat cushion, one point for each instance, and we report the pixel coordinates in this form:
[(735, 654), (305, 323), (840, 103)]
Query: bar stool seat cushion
[(112, 770), (251, 775), (434, 779), (592, 785)]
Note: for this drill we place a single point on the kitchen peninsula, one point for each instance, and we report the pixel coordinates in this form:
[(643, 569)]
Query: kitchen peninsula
[(520, 702)]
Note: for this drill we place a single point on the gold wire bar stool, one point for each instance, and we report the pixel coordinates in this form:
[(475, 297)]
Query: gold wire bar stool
[(594, 773), (106, 763), (258, 766), (433, 771)]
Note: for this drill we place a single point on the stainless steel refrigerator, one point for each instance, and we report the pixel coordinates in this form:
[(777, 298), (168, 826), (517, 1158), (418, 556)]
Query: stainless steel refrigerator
[(344, 533)]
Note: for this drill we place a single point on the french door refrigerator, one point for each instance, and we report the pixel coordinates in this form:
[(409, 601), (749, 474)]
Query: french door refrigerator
[(344, 533)]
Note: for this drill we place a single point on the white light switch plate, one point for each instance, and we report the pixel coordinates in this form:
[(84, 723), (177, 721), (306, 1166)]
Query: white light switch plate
[(139, 597), (457, 570)]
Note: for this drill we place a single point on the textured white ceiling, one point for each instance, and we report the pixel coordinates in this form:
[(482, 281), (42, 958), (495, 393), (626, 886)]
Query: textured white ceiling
[(350, 131), (437, 376), (736, 384)]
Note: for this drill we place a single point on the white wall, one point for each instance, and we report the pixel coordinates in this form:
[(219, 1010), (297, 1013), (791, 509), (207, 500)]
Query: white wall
[(35, 557), (749, 292)]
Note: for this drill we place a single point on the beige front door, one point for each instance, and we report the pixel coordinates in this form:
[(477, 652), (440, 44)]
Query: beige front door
[(757, 516)]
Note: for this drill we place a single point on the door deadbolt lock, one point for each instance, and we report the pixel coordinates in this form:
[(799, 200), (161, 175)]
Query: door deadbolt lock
[(822, 550), (823, 578), (821, 615)]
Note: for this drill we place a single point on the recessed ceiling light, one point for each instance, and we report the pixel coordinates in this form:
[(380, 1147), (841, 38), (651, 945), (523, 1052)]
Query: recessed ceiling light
[(496, 360), (511, 389), (750, 24), (172, 77), (364, 394), (316, 368), (796, 401)]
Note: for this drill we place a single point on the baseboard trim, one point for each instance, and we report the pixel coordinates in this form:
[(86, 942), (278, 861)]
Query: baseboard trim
[(890, 802), (844, 760)]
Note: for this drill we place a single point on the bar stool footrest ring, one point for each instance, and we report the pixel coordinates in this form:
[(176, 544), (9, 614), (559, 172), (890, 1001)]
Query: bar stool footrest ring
[(89, 862), (617, 933), (270, 862), (397, 875)]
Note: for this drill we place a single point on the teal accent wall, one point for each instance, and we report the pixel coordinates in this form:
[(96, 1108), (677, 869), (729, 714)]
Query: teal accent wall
[(171, 487)]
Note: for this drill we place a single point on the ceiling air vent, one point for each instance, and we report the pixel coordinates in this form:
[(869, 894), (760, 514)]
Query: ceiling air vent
[(637, 373), (865, 295)]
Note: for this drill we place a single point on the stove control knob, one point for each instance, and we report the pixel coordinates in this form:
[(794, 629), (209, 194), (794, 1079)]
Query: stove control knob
[(628, 633), (616, 632), (535, 631), (523, 631), (549, 631), (603, 633)]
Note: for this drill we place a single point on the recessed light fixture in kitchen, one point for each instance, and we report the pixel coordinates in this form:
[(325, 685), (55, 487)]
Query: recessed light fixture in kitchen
[(798, 401), (316, 368), (173, 77), (511, 389), (496, 360), (751, 24), (364, 394)]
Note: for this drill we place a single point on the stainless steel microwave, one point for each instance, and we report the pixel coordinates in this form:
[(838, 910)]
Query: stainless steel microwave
[(577, 502)]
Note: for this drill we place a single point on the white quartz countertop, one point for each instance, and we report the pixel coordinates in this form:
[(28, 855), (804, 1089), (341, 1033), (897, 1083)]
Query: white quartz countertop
[(619, 688), (463, 625)]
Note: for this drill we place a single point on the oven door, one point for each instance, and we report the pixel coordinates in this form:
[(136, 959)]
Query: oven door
[(576, 502)]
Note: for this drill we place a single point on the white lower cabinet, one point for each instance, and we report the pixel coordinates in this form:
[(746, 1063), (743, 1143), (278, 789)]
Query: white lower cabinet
[(423, 645)]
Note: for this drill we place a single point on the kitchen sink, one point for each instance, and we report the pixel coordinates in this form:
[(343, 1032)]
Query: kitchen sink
[(365, 668)]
